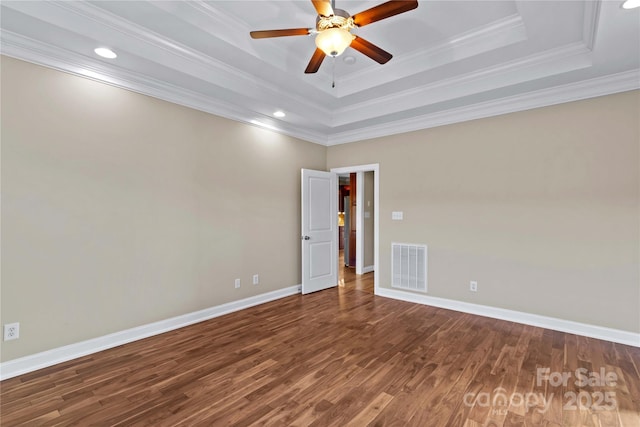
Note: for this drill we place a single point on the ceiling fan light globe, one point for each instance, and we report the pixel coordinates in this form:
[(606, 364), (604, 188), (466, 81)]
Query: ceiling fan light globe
[(334, 41)]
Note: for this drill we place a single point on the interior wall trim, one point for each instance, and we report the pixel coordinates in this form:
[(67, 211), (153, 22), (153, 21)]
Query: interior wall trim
[(19, 47), (568, 326), (592, 88), (25, 49), (26, 364), (559, 60), (494, 35)]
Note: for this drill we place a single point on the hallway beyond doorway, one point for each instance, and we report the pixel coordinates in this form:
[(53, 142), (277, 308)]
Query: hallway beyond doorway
[(348, 279)]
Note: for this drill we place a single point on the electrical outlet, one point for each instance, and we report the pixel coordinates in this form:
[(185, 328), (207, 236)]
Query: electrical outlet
[(256, 279), (237, 283), (11, 331), (473, 286)]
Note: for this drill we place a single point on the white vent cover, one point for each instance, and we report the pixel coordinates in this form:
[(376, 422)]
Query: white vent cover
[(409, 266)]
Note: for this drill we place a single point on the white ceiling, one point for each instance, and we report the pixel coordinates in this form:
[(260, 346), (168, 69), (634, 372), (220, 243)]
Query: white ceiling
[(453, 60)]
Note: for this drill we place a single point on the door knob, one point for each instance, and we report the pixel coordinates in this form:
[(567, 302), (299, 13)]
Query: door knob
[(306, 238)]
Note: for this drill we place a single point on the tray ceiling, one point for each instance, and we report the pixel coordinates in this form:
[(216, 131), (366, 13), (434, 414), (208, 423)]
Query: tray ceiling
[(453, 60)]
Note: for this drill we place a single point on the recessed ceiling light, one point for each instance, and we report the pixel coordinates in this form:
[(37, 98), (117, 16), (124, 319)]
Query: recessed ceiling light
[(105, 52), (279, 114), (631, 4)]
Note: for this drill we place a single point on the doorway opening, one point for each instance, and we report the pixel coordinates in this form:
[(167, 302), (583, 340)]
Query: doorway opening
[(357, 219)]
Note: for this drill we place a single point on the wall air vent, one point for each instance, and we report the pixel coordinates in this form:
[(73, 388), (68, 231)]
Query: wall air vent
[(409, 266)]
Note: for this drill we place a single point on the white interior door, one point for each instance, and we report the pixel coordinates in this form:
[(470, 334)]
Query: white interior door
[(319, 230)]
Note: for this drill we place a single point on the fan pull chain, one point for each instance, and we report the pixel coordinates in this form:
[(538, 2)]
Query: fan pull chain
[(333, 74)]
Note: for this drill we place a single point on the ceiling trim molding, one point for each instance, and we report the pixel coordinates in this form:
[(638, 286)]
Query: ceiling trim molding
[(204, 67), (89, 11), (243, 79), (591, 88), (540, 65), (22, 48), (495, 35), (221, 19), (591, 19)]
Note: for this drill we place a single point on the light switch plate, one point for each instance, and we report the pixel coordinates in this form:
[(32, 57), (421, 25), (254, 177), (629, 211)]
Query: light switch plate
[(397, 216)]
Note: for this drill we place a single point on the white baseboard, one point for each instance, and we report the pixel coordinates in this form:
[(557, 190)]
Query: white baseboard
[(592, 331), (368, 269), (54, 356)]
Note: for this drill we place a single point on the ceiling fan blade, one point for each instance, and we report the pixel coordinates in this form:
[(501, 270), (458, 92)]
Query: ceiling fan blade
[(316, 61), (383, 11), (279, 33), (323, 7), (371, 50)]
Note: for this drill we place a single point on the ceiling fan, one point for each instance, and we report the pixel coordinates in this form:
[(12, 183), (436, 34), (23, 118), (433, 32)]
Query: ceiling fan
[(333, 30)]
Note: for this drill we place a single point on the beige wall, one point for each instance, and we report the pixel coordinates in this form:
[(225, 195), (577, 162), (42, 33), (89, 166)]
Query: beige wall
[(369, 248), (541, 207), (119, 209)]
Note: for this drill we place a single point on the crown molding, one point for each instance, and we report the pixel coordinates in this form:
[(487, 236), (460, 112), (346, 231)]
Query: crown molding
[(591, 88), (216, 22), (559, 60), (218, 18), (36, 52), (20, 47), (503, 32), (170, 54), (323, 123), (591, 19), (213, 71)]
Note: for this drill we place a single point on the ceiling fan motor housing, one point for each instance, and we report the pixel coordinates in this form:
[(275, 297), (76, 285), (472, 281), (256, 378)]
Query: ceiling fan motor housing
[(339, 19)]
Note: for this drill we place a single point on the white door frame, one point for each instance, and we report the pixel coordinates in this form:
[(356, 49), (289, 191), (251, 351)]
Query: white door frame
[(359, 170)]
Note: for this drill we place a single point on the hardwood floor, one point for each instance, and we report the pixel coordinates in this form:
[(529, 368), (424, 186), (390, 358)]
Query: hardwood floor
[(340, 357), (348, 279)]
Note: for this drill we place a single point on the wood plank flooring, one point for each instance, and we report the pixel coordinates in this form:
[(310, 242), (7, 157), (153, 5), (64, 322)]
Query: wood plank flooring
[(348, 279), (341, 357)]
